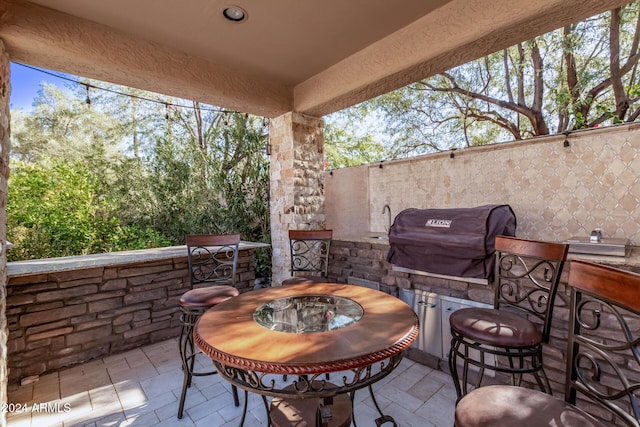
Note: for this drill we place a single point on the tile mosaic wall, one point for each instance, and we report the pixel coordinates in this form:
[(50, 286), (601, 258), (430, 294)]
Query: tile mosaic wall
[(556, 191)]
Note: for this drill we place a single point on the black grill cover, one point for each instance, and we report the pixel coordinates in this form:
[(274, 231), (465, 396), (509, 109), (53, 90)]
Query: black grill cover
[(452, 242)]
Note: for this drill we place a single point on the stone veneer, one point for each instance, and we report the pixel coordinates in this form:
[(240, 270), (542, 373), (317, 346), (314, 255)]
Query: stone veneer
[(60, 318), (297, 183), (5, 144)]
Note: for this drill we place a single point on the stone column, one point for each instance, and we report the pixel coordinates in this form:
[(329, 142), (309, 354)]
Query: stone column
[(5, 133), (297, 183)]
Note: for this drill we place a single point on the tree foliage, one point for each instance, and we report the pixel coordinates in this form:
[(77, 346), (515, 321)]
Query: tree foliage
[(580, 76), (56, 210), (344, 149), (93, 172)]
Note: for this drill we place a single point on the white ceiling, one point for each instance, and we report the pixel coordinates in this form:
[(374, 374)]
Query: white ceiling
[(311, 56)]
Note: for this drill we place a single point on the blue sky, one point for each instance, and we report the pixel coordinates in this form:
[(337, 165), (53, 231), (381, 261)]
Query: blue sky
[(25, 83)]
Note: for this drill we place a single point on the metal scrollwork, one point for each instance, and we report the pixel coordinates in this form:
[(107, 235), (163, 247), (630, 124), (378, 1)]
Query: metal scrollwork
[(590, 372), (211, 265), (308, 255), (588, 315), (597, 367), (523, 283), (308, 385)]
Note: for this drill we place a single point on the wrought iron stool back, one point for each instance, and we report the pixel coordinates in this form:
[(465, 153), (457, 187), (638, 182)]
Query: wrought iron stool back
[(604, 339), (212, 259), (309, 251), (212, 273), (509, 337), (603, 362)]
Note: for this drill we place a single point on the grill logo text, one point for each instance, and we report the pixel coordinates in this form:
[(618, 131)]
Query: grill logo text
[(446, 223)]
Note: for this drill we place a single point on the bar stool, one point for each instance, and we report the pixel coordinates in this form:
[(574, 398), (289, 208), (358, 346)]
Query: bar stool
[(526, 281), (212, 264), (309, 251), (602, 362)]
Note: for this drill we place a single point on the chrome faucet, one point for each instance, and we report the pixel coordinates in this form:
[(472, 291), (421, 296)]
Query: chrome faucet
[(386, 208)]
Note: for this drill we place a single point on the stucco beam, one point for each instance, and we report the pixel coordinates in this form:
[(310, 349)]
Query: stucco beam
[(457, 33), (43, 37)]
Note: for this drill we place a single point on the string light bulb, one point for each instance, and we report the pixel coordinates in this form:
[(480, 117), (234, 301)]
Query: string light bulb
[(87, 86)]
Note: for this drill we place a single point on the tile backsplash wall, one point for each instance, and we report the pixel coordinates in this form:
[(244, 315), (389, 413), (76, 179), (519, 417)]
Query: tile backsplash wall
[(556, 191)]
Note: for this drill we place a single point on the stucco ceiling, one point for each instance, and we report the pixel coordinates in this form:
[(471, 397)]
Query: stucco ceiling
[(310, 56)]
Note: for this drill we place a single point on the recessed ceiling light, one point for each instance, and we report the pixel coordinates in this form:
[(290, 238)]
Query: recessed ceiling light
[(235, 13)]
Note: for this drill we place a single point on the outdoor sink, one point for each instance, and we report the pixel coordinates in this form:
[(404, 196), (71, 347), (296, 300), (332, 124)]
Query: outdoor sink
[(603, 246)]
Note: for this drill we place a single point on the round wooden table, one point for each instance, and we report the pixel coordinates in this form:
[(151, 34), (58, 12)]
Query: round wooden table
[(307, 331)]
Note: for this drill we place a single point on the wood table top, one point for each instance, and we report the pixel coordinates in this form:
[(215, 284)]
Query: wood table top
[(229, 334)]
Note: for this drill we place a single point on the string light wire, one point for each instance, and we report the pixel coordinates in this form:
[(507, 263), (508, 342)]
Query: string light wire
[(142, 98)]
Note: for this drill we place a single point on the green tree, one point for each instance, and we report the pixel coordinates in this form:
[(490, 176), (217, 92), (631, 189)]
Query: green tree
[(154, 169), (212, 176), (63, 126), (344, 149), (55, 210), (580, 76)]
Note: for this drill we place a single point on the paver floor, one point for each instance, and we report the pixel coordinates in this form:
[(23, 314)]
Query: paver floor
[(141, 388)]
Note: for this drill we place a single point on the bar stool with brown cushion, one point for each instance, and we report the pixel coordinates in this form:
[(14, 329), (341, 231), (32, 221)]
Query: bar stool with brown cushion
[(212, 272), (602, 376), (526, 280), (309, 256)]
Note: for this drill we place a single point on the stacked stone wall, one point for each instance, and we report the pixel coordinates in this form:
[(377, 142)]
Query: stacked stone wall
[(62, 318)]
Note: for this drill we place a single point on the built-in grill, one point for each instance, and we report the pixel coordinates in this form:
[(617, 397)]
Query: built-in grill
[(453, 242)]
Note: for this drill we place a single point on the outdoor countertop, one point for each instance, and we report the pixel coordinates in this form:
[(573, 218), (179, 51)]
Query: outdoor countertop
[(49, 265), (632, 260), (371, 237)]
